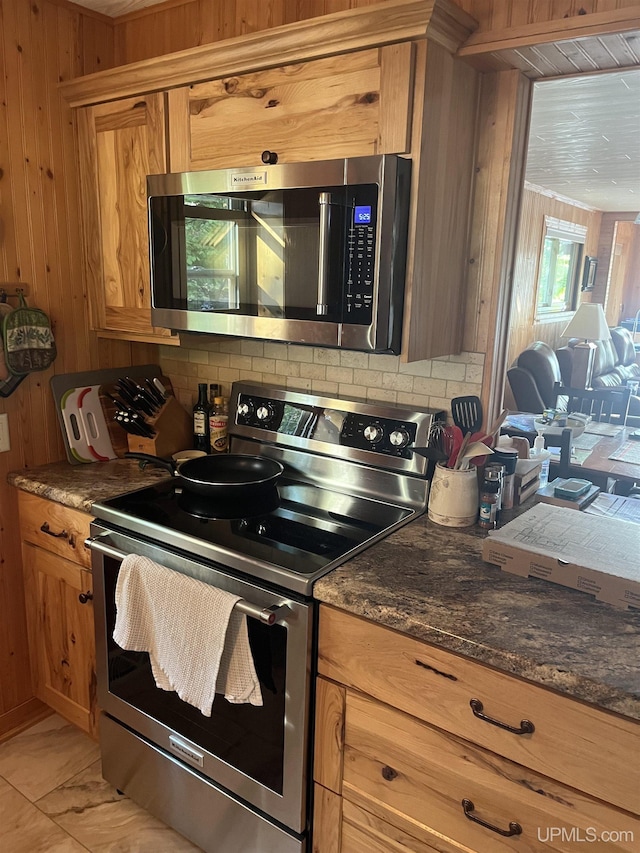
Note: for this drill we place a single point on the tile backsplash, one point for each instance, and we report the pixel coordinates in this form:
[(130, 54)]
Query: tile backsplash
[(341, 373)]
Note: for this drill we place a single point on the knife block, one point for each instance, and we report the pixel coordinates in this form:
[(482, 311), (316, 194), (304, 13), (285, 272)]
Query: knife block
[(174, 431)]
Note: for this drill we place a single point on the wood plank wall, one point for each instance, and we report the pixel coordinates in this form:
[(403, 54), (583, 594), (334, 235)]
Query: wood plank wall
[(179, 25), (504, 14), (535, 206), (40, 248), (628, 300)]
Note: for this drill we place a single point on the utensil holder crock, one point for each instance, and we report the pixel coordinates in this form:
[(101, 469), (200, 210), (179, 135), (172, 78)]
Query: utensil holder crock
[(453, 497)]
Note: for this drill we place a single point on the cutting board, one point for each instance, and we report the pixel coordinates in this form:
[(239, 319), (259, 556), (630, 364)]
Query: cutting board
[(80, 412)]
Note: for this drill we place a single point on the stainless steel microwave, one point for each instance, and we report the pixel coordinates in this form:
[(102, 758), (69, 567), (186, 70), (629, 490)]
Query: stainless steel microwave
[(310, 253)]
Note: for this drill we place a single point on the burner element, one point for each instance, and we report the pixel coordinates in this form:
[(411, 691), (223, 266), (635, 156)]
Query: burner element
[(230, 507)]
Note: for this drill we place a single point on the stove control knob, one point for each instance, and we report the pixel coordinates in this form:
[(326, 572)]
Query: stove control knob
[(265, 412), (399, 437), (373, 433), (245, 408)]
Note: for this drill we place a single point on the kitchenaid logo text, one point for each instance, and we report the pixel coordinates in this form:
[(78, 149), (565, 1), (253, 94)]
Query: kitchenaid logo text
[(248, 178), (587, 835)]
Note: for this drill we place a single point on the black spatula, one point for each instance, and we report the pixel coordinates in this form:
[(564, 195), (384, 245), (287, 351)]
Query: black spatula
[(467, 413)]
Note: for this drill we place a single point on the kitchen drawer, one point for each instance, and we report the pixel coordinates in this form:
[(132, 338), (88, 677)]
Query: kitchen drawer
[(54, 527), (416, 777), (363, 831), (575, 743)]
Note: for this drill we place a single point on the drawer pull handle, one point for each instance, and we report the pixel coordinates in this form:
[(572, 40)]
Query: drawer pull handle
[(62, 535), (526, 726), (84, 597), (514, 828)]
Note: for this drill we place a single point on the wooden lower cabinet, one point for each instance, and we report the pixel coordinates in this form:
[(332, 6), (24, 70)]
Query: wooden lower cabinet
[(387, 780), (58, 595)]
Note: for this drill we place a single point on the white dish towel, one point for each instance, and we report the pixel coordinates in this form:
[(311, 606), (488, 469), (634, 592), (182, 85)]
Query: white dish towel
[(196, 641)]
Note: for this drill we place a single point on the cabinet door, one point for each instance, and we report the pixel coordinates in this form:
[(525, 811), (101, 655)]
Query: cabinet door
[(120, 144), (61, 635), (55, 527), (351, 105)]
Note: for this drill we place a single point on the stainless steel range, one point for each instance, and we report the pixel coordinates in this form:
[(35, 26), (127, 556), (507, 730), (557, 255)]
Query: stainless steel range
[(240, 779)]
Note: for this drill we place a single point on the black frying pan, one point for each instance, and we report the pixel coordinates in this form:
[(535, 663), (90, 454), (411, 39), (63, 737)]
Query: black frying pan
[(221, 475)]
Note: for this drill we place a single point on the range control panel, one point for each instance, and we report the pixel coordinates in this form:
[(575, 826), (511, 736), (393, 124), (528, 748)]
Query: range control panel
[(338, 426), (380, 434)]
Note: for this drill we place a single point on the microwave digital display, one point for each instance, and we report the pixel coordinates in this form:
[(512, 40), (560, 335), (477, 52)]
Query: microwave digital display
[(362, 214)]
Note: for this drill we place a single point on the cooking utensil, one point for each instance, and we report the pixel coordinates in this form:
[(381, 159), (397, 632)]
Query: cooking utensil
[(224, 475), (467, 413), (455, 443), (473, 450), (461, 451), (494, 429), (435, 449)]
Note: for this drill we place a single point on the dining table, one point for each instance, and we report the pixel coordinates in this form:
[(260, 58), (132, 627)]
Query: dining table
[(606, 451)]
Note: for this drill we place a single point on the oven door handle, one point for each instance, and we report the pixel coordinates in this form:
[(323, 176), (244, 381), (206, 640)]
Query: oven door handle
[(267, 615)]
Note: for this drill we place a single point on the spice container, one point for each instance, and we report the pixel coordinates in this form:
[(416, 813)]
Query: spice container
[(490, 498)]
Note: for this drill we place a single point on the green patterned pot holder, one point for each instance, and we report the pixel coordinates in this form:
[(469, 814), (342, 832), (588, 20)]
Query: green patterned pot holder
[(28, 340)]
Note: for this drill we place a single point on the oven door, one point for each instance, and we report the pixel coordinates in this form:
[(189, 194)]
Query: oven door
[(258, 754)]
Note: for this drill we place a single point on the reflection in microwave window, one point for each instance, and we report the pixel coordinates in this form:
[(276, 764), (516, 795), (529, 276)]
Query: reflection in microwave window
[(213, 248)]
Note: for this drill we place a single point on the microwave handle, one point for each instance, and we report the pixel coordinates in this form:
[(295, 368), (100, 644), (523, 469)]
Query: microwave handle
[(322, 307)]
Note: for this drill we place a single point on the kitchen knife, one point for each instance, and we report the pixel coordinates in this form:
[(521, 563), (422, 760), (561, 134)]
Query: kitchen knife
[(154, 392), (125, 392), (160, 387), (143, 395), (129, 392)]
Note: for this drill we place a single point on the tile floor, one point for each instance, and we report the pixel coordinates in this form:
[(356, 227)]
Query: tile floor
[(53, 799)]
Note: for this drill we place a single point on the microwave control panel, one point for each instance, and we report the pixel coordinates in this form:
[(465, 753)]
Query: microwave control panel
[(360, 256)]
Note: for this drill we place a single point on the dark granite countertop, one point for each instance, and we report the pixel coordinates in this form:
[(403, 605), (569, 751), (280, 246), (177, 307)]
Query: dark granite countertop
[(431, 582), (79, 486)]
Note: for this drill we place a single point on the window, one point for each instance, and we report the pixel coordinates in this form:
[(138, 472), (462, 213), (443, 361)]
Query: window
[(560, 263)]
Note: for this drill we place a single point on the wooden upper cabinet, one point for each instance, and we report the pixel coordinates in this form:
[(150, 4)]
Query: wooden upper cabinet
[(342, 106), (120, 143), (381, 79)]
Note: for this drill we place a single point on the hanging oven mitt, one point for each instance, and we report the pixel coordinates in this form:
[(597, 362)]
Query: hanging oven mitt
[(28, 339), (5, 309)]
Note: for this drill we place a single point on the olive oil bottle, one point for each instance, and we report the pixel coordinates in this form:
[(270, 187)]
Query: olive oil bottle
[(201, 420)]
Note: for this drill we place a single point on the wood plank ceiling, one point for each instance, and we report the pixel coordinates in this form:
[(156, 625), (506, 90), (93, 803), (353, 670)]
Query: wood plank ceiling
[(584, 140), (115, 8)]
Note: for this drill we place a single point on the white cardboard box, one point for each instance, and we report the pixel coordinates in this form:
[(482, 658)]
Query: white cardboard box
[(600, 556)]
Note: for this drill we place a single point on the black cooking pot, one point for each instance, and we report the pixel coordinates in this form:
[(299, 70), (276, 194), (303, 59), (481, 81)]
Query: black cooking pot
[(221, 475)]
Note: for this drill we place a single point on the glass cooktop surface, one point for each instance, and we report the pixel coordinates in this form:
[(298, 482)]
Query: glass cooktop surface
[(298, 527)]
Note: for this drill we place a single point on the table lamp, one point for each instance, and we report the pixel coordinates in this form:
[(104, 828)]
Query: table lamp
[(590, 324)]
